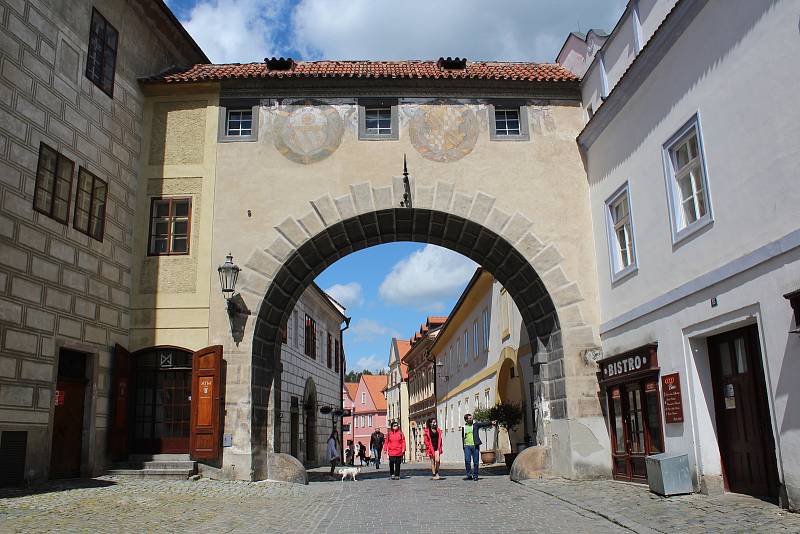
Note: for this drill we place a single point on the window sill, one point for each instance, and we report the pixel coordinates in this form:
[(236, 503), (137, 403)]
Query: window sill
[(511, 138), (682, 235), (624, 274), (237, 139), (392, 137)]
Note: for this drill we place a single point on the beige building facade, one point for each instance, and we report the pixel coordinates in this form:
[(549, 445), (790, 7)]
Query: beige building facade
[(397, 389)]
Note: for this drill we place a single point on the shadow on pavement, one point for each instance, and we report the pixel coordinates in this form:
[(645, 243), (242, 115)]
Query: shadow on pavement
[(321, 474), (53, 486)]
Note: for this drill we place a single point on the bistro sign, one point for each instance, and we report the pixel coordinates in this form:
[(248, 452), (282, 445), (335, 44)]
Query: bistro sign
[(642, 359)]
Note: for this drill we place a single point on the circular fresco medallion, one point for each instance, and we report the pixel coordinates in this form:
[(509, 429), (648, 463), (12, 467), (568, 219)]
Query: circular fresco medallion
[(307, 131), (442, 132)]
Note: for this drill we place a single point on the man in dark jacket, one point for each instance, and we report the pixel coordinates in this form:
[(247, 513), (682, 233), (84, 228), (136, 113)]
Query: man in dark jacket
[(376, 446), (472, 445)]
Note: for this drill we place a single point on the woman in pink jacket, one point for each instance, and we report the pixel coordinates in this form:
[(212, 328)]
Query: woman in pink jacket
[(395, 445), (433, 446)]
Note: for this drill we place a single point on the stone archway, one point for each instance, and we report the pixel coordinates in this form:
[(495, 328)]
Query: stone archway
[(552, 306), (508, 389)]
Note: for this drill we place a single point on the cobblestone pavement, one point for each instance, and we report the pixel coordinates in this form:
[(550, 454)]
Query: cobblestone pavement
[(374, 504)]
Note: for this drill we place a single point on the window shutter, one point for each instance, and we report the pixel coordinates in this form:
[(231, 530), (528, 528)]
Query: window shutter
[(206, 424), (121, 391)]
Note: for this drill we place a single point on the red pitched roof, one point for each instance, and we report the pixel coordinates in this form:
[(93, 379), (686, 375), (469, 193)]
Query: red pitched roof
[(402, 349), (375, 385), (352, 389), (479, 70)]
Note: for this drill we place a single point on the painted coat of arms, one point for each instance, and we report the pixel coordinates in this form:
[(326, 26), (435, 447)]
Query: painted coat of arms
[(307, 131), (442, 132)]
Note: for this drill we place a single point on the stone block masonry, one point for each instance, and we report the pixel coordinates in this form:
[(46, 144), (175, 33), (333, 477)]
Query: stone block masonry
[(61, 288)]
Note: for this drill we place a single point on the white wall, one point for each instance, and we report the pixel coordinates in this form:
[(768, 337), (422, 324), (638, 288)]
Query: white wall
[(734, 76)]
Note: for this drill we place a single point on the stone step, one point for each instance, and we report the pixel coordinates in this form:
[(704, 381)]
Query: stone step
[(177, 474), (156, 464), (159, 457)]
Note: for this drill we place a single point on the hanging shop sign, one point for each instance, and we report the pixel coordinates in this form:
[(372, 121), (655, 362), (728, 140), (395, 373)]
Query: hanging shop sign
[(671, 393), (642, 359), (59, 397)]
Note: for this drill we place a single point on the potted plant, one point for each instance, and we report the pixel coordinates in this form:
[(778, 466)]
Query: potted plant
[(481, 415), (508, 416)]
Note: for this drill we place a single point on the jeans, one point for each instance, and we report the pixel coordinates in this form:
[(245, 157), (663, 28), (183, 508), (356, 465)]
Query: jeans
[(376, 456), (394, 465), (472, 453)]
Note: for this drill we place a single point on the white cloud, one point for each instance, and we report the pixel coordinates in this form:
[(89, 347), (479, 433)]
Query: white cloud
[(512, 30), (369, 329), (373, 363), (236, 31), (427, 278), (348, 295)]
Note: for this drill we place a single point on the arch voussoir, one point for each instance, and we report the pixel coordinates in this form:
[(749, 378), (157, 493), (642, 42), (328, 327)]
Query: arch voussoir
[(461, 204), (481, 207), (516, 228), (423, 197), (326, 209), (443, 195), (382, 197), (497, 220), (345, 206), (362, 197), (312, 223), (292, 231)]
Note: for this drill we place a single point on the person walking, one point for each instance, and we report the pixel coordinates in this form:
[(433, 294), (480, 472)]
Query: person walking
[(472, 444), (376, 446), (395, 447), (333, 451), (362, 453), (433, 446)]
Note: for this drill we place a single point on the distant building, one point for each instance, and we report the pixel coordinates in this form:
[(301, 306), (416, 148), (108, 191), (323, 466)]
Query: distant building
[(483, 357), (349, 392), (579, 50), (311, 355), (370, 411), (397, 387), (421, 384)]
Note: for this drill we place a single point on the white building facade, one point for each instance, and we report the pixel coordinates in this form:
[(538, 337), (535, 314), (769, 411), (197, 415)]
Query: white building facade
[(312, 376), (397, 389), (694, 196)]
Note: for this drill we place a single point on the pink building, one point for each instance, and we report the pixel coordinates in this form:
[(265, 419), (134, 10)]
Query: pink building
[(370, 408), (348, 403)]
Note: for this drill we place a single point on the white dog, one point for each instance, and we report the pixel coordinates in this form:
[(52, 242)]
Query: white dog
[(349, 472)]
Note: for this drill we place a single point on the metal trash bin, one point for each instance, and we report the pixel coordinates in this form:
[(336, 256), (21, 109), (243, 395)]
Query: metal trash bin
[(668, 474)]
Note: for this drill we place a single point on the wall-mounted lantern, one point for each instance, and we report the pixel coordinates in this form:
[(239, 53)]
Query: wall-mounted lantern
[(406, 202), (228, 273)]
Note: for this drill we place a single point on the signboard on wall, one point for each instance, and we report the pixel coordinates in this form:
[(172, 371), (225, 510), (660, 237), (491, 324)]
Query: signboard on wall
[(673, 403)]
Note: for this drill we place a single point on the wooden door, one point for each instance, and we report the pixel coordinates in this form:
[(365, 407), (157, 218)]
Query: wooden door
[(175, 391), (120, 392), (65, 453), (294, 434), (635, 428), (206, 404), (744, 430)]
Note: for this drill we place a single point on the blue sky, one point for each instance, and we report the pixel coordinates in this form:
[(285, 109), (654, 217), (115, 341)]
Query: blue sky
[(232, 31), (389, 290)]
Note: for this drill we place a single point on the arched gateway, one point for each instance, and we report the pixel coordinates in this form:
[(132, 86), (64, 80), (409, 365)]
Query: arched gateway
[(296, 171)]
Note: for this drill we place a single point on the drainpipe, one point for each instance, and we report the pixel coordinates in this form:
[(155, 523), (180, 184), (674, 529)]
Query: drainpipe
[(341, 383)]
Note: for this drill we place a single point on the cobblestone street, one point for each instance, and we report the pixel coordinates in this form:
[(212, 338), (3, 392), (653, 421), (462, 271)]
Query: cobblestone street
[(375, 504)]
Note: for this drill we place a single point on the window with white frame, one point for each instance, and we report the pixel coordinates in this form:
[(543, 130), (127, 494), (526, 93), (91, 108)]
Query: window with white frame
[(377, 119), (363, 398), (369, 420), (508, 122), (466, 346), (485, 316), (688, 184), (505, 316), (475, 339), (477, 401), (486, 398), (620, 233), (239, 122)]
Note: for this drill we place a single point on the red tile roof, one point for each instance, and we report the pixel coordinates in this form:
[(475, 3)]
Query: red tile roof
[(352, 389), (479, 70), (402, 349), (375, 385)]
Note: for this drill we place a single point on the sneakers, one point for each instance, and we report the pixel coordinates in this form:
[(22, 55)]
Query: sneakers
[(437, 477), (475, 478), (468, 477)]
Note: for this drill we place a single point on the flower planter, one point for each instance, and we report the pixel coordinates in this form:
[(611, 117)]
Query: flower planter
[(488, 457)]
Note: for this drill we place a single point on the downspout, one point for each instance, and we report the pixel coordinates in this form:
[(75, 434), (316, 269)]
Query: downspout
[(341, 383)]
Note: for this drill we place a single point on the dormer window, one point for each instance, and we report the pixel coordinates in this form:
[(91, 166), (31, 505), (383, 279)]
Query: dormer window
[(238, 120)]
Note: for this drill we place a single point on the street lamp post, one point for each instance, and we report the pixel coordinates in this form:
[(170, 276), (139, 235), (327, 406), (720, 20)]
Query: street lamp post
[(228, 274)]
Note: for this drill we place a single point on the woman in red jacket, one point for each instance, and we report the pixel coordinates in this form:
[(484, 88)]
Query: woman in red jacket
[(433, 446), (396, 447)]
